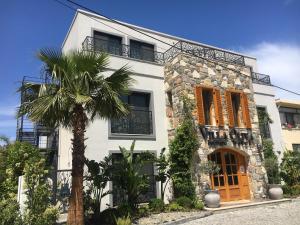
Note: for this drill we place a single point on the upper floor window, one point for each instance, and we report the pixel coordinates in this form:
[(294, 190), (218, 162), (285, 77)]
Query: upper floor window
[(296, 147), (107, 43), (139, 121), (209, 106), (290, 117), (237, 109), (263, 120), (141, 50)]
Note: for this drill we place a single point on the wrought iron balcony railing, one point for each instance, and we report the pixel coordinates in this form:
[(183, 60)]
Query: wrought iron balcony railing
[(138, 122), (114, 48), (203, 52), (259, 78)]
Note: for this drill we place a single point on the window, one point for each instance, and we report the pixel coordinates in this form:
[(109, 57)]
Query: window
[(290, 117), (142, 51), (263, 120), (238, 109), (43, 142), (209, 106), (107, 43), (148, 169), (296, 147), (139, 120)]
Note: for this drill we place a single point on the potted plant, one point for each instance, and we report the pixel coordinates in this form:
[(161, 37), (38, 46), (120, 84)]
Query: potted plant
[(275, 191), (211, 197)]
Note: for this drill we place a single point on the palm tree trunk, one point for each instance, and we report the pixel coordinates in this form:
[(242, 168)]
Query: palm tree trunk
[(76, 212)]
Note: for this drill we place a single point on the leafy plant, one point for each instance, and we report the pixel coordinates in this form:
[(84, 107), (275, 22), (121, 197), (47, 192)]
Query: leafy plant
[(198, 204), (126, 174), (156, 205), (97, 178), (291, 191), (163, 172), (185, 202), (173, 206), (10, 212), (77, 93), (290, 168), (124, 220), (271, 162), (182, 149)]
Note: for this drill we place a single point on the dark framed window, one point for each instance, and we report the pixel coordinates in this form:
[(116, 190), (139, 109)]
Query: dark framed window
[(208, 105), (263, 120), (141, 50), (107, 43), (139, 121), (236, 103), (148, 170), (296, 147)]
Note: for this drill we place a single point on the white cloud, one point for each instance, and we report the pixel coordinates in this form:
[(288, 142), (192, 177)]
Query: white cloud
[(281, 61), (7, 110)]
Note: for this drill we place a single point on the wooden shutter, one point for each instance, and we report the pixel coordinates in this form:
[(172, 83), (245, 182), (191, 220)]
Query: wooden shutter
[(245, 110), (218, 107), (229, 109), (199, 104)]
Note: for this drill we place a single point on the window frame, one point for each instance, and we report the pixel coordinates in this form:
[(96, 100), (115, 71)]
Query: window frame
[(141, 42), (297, 145), (124, 136)]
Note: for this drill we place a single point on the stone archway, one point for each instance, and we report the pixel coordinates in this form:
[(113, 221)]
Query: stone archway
[(232, 180)]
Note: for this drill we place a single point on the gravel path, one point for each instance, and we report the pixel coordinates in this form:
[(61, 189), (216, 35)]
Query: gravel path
[(281, 214)]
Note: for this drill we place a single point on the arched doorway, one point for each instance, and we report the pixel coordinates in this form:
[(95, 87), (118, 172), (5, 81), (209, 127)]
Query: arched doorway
[(232, 180)]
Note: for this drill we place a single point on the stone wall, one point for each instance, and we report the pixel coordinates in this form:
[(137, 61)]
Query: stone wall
[(182, 74)]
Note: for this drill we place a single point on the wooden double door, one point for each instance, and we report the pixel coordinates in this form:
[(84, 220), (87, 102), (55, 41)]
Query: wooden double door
[(232, 180)]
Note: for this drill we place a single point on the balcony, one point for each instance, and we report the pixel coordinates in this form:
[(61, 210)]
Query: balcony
[(113, 48), (259, 78), (203, 51), (138, 122)]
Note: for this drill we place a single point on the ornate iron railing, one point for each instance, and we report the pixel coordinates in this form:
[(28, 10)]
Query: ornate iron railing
[(137, 122), (203, 52), (259, 78), (100, 45)]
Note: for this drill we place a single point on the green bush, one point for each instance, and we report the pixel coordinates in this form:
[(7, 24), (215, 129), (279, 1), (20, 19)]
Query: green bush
[(271, 162), (198, 204), (293, 191), (124, 220), (185, 202), (182, 149), (9, 212), (156, 205), (290, 168), (143, 211), (173, 206)]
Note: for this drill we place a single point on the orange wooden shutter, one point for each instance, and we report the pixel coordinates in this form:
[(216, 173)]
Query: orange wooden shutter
[(245, 109), (229, 109), (199, 104), (218, 108)]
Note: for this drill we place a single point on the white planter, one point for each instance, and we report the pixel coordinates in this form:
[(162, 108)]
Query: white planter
[(212, 199), (275, 192)]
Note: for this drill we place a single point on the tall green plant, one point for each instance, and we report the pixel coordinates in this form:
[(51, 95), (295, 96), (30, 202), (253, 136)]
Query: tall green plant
[(77, 93), (127, 176), (290, 168), (99, 173), (271, 162), (182, 149)]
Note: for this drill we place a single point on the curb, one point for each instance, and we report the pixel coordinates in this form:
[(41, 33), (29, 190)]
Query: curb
[(185, 220)]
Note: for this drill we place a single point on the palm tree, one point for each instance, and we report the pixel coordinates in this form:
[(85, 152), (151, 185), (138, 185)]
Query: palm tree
[(77, 93)]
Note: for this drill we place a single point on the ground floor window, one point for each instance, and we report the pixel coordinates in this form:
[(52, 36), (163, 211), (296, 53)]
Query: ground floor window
[(296, 147), (148, 169)]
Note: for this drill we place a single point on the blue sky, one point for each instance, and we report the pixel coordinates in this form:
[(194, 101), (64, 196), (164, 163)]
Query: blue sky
[(269, 30)]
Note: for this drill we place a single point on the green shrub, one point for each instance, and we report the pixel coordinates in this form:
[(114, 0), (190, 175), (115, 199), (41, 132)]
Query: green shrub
[(9, 212), (173, 206), (291, 191), (198, 204), (185, 202), (123, 221), (182, 149), (271, 162), (143, 211), (290, 168), (125, 209), (156, 205)]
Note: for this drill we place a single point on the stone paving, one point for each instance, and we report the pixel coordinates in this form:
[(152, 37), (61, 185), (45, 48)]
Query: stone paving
[(281, 214)]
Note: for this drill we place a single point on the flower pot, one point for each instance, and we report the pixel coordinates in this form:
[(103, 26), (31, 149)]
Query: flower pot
[(212, 199), (275, 192)]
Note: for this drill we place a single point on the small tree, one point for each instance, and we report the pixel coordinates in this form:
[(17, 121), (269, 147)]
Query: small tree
[(271, 162), (163, 172), (290, 168), (182, 149)]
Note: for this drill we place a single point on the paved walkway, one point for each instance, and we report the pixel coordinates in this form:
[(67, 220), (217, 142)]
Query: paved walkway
[(281, 214)]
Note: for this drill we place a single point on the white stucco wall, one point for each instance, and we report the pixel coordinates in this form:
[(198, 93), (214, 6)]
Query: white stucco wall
[(264, 96)]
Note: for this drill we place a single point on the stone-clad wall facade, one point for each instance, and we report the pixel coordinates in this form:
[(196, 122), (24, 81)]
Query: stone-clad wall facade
[(182, 74)]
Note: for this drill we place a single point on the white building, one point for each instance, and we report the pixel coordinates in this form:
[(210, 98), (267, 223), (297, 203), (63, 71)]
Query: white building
[(144, 55)]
